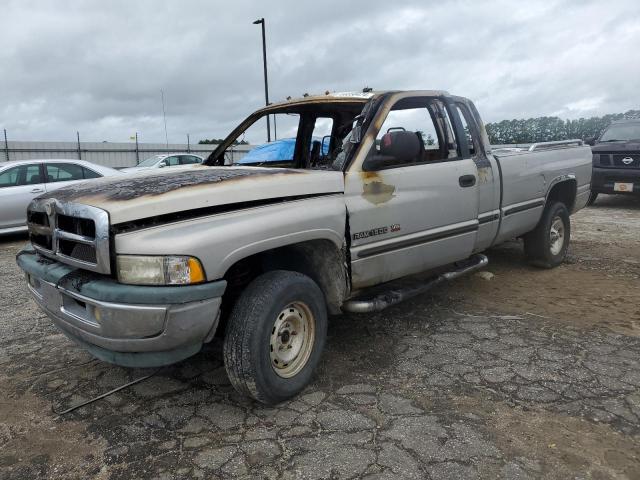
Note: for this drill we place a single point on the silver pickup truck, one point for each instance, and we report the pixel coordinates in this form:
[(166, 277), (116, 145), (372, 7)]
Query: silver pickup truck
[(404, 193)]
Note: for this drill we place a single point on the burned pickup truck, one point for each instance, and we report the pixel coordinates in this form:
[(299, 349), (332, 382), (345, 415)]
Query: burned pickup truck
[(142, 271)]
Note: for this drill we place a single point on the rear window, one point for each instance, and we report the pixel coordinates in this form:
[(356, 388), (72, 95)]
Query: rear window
[(90, 173)]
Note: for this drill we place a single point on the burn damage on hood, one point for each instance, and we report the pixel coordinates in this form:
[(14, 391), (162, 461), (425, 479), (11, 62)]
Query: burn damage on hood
[(124, 189), (153, 221)]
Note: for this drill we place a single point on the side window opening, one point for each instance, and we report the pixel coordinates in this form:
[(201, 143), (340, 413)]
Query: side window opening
[(401, 124), (466, 119), (33, 175), (322, 143), (253, 146), (450, 149), (88, 173), (20, 175), (305, 136), (10, 177), (416, 130)]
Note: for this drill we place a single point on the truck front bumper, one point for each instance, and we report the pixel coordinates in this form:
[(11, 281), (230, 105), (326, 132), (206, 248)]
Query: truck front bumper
[(603, 179), (128, 325)]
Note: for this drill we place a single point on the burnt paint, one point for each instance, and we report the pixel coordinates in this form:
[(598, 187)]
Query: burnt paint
[(212, 210), (43, 260), (40, 259), (374, 190), (158, 184), (76, 280)]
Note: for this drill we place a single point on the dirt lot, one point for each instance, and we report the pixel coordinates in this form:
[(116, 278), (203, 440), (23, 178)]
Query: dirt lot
[(531, 374)]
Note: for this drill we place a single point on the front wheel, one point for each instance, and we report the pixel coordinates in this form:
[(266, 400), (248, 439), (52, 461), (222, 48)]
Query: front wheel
[(546, 246), (275, 336)]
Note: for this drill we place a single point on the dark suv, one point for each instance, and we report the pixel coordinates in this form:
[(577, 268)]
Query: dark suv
[(616, 159)]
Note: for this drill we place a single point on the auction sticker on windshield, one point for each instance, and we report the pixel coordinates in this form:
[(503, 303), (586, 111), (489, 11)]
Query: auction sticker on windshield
[(622, 187)]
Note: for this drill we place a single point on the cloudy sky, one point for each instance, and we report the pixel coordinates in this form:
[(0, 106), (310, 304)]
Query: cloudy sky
[(98, 66)]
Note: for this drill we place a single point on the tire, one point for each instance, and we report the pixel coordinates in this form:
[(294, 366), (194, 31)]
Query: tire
[(275, 336), (592, 198), (539, 247)]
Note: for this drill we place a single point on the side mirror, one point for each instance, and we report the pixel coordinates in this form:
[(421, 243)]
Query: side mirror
[(162, 164), (590, 141)]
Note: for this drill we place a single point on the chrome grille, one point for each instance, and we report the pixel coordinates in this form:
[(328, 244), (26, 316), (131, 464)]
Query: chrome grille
[(85, 252), (74, 234), (80, 226), (620, 160)]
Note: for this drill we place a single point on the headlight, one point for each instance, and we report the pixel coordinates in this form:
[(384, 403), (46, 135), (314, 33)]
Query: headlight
[(159, 270), (595, 158)]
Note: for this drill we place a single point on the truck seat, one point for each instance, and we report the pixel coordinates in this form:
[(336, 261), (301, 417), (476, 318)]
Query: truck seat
[(403, 146)]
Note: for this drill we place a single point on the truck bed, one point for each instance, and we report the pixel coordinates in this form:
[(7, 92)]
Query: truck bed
[(527, 175)]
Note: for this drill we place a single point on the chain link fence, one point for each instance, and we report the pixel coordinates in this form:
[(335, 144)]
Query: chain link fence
[(110, 154)]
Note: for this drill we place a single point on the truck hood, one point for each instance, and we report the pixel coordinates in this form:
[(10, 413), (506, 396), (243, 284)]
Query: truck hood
[(616, 147), (162, 191)]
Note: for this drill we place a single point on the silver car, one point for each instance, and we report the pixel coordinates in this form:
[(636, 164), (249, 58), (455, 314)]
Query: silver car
[(167, 160), (22, 181)]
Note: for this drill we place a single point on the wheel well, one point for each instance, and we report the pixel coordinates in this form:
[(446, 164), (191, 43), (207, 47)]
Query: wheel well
[(320, 260), (564, 192)]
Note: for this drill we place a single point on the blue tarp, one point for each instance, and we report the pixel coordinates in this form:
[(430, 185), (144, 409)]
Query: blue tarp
[(276, 151)]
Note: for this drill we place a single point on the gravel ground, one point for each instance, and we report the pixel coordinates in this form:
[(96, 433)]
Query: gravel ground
[(532, 374)]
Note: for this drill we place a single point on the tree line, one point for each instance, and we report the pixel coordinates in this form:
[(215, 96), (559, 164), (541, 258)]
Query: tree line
[(548, 129)]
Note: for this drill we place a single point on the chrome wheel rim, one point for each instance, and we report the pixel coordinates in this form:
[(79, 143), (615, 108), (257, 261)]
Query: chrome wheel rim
[(291, 340), (556, 236)]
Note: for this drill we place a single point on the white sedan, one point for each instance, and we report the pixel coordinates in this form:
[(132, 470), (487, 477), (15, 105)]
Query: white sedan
[(21, 181), (167, 160)]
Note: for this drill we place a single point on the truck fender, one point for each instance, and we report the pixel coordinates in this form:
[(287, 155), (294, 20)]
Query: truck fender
[(563, 188)]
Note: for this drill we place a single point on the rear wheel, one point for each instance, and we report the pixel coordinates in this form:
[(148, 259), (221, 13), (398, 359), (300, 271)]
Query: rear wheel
[(275, 336), (592, 198), (546, 246)]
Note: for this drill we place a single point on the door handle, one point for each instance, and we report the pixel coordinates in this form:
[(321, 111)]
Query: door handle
[(37, 190), (467, 180)]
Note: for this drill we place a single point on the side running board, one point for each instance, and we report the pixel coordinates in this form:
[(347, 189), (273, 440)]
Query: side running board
[(393, 296)]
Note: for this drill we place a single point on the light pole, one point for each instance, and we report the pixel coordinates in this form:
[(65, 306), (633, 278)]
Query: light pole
[(164, 115), (266, 82)]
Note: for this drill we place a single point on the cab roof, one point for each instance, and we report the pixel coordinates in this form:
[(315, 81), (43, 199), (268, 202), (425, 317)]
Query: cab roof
[(347, 97)]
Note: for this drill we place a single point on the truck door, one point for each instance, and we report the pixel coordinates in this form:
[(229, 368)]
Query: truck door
[(413, 200), (18, 186)]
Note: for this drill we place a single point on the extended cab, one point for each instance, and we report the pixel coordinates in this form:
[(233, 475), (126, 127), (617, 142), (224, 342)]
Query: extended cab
[(142, 271), (616, 159)]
